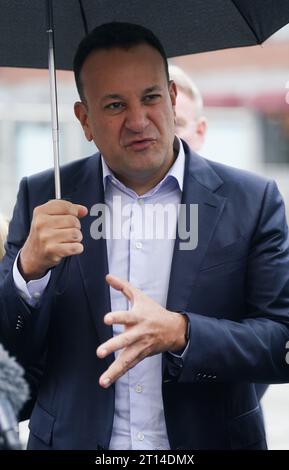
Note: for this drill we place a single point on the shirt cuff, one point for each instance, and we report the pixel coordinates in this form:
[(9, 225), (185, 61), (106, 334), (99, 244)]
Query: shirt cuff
[(30, 291), (179, 356)]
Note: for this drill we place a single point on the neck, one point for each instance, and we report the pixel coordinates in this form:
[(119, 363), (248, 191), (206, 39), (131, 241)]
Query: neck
[(141, 185)]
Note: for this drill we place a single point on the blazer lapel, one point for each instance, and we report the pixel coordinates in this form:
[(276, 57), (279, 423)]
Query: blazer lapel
[(200, 183), (93, 261)]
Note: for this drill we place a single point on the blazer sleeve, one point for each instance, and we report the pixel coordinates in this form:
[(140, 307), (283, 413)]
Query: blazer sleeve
[(23, 329), (253, 349)]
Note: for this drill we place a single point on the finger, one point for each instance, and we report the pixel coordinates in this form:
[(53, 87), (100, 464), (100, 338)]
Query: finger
[(58, 236), (67, 235), (126, 317), (124, 286), (124, 340), (125, 361), (66, 249), (44, 222), (82, 211), (61, 207), (64, 221)]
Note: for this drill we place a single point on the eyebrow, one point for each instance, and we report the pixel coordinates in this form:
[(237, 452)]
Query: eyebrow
[(152, 88), (116, 96)]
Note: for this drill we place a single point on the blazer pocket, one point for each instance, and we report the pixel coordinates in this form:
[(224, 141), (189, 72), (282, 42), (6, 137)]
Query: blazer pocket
[(230, 253), (41, 424), (247, 429)]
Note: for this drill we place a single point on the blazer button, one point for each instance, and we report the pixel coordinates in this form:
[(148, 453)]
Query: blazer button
[(19, 323)]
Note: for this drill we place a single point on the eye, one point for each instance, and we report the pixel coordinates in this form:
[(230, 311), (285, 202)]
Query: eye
[(115, 106), (151, 98)]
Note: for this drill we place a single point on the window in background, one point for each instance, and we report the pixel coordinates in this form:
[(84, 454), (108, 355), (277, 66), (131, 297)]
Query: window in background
[(33, 148), (275, 129), (233, 138)]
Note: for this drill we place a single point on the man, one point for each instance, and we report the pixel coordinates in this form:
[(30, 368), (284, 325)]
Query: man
[(162, 353), (191, 124)]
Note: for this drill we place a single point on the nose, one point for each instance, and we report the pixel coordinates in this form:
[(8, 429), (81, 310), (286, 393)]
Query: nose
[(136, 119)]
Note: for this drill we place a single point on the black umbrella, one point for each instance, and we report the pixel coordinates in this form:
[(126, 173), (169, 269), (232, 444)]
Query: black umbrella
[(183, 26)]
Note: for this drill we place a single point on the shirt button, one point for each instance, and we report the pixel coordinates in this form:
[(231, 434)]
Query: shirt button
[(140, 436), (36, 295), (138, 245), (140, 201), (138, 388)]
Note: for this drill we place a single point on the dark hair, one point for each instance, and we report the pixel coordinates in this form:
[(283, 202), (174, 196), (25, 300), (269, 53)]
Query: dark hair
[(110, 36)]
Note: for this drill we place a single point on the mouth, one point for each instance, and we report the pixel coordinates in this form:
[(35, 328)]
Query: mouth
[(140, 144)]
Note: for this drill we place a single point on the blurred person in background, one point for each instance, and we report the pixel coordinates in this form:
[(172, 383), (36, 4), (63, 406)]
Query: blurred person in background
[(3, 235), (191, 123)]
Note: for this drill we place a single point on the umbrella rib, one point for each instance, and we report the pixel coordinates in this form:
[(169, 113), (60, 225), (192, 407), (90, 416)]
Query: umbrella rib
[(83, 15), (259, 41)]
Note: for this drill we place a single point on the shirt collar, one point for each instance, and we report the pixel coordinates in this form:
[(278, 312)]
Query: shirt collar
[(176, 171)]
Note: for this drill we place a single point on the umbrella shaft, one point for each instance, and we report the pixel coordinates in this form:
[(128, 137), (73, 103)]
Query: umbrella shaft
[(54, 112)]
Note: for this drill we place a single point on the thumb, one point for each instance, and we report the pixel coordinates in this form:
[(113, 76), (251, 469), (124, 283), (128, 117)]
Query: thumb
[(128, 290), (82, 211)]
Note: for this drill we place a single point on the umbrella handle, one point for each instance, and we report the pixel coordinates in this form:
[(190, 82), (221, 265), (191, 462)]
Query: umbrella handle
[(53, 97)]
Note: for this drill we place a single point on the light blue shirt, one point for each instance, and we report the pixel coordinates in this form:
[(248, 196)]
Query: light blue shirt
[(142, 255)]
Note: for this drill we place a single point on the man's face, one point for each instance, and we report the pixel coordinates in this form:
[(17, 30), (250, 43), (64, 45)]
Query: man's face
[(188, 126), (129, 112)]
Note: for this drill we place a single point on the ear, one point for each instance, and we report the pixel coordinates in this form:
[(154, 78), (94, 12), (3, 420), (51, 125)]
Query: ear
[(81, 112), (173, 92), (201, 130), (173, 96)]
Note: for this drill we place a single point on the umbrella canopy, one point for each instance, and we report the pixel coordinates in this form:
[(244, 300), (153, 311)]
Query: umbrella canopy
[(183, 26)]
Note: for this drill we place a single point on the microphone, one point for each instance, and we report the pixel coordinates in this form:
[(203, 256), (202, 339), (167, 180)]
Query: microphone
[(13, 393)]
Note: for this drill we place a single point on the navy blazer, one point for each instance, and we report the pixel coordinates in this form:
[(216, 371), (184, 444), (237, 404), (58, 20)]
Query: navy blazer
[(234, 287)]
